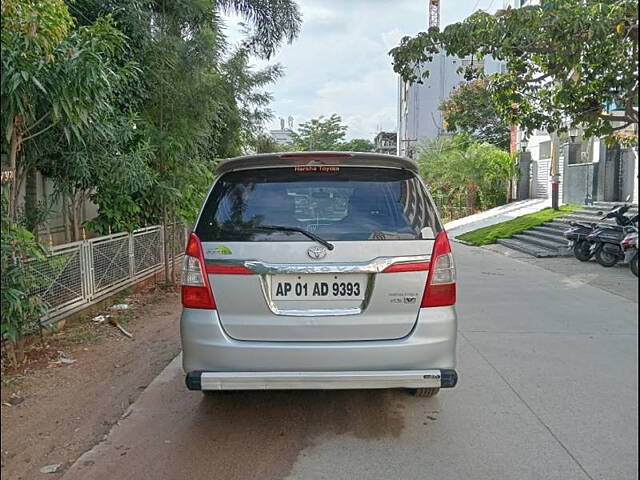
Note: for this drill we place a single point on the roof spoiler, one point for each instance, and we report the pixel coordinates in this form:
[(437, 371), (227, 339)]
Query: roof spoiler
[(293, 159)]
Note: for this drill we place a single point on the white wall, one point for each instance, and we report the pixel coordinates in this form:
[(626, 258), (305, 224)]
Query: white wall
[(419, 118)]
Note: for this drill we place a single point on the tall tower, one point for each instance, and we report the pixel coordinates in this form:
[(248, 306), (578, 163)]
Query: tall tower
[(434, 13)]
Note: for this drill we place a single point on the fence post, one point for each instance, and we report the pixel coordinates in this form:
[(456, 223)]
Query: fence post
[(91, 273), (132, 260), (84, 271), (165, 251)]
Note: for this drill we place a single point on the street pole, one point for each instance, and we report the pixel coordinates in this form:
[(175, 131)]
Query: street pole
[(555, 190), (587, 191), (555, 178), (524, 165)]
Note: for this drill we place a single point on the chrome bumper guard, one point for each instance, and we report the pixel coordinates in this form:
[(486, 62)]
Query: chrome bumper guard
[(200, 380)]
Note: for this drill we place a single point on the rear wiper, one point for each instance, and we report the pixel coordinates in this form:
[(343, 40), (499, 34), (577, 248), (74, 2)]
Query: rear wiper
[(282, 228)]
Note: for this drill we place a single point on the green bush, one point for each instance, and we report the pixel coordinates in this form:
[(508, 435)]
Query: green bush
[(21, 312), (462, 172)]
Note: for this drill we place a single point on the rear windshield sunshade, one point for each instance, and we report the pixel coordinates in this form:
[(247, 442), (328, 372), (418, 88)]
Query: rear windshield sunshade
[(349, 203)]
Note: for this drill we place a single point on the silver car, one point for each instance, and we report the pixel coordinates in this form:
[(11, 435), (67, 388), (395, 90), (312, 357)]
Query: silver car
[(319, 270)]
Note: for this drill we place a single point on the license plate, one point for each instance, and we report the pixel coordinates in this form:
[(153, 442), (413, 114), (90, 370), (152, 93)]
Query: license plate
[(318, 287)]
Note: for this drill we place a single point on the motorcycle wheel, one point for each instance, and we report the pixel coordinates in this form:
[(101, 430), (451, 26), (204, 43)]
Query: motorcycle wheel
[(633, 264), (605, 259), (582, 250)]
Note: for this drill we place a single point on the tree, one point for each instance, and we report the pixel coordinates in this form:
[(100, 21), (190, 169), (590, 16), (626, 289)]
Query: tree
[(320, 134), (568, 62), (265, 143), (211, 104), (53, 75), (470, 109), (357, 145)]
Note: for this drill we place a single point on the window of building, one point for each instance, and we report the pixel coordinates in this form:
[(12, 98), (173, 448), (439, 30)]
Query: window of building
[(545, 150), (579, 153)]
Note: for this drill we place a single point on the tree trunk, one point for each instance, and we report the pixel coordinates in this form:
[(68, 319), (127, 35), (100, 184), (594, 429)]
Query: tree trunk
[(31, 200), (74, 216), (15, 351), (472, 193), (165, 241), (14, 147), (172, 240), (65, 219)]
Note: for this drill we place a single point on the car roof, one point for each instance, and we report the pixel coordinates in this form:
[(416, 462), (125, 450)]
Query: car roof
[(288, 159)]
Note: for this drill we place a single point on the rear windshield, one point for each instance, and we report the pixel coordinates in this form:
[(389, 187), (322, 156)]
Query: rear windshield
[(346, 203)]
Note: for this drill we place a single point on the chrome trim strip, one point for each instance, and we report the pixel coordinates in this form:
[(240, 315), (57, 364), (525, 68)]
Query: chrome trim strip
[(320, 380), (376, 265), (265, 270)]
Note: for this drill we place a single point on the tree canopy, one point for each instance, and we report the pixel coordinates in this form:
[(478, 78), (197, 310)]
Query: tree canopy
[(327, 134), (130, 102), (470, 109), (357, 145), (569, 62), (320, 133)]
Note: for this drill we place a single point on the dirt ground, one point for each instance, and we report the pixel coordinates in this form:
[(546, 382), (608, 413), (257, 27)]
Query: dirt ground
[(61, 404)]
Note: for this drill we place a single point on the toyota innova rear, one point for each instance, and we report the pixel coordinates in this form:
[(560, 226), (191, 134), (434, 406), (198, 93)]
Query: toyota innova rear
[(318, 270)]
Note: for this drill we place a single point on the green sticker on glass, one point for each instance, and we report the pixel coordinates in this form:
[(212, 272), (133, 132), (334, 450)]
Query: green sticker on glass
[(222, 250)]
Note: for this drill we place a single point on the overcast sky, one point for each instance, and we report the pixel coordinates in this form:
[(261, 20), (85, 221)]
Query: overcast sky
[(339, 63)]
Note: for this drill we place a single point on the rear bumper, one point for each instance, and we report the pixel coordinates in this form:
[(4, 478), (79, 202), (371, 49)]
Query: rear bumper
[(430, 346), (320, 380)]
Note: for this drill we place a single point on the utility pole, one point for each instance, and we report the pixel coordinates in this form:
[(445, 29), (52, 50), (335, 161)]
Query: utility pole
[(408, 141)]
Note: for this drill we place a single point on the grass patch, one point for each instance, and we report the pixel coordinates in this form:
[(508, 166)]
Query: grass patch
[(488, 235)]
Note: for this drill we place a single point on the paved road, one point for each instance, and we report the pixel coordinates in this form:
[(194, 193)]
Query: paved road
[(617, 279), (548, 390)]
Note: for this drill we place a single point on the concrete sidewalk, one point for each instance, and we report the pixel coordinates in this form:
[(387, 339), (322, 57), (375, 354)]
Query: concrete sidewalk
[(495, 215), (617, 279)]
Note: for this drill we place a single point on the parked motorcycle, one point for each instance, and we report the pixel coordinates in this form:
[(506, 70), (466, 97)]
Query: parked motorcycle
[(630, 248), (606, 239), (579, 232)]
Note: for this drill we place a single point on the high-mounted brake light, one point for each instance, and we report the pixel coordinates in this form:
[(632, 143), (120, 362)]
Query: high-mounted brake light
[(316, 155), (440, 289), (196, 291)]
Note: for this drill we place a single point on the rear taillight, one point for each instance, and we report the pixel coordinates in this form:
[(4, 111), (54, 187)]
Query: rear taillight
[(629, 241), (196, 291), (440, 289), (407, 267)]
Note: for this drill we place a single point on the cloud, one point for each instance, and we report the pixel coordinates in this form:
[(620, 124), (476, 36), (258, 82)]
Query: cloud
[(340, 62)]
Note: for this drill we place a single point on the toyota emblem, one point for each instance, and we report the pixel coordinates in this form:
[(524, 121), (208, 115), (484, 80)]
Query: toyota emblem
[(317, 252)]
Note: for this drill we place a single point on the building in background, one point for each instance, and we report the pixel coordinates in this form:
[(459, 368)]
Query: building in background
[(386, 142), (284, 136), (419, 117), (590, 171)]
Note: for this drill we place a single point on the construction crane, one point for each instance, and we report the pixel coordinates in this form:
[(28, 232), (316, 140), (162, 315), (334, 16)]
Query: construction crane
[(434, 13)]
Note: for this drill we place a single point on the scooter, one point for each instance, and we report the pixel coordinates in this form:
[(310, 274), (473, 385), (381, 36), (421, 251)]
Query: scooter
[(579, 232), (630, 248), (606, 239)]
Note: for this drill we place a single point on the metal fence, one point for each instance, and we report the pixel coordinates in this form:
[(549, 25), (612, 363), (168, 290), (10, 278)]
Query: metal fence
[(75, 275), (451, 208), (450, 213)]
